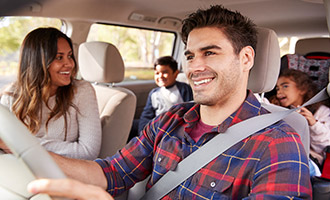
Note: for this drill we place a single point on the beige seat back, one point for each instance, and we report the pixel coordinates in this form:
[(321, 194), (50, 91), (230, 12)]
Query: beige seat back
[(264, 75), (308, 45), (102, 64)]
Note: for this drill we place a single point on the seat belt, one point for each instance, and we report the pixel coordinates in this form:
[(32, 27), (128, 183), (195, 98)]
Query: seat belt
[(216, 146)]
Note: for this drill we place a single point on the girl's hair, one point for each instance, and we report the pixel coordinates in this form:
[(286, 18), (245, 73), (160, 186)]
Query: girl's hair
[(33, 84), (303, 83)]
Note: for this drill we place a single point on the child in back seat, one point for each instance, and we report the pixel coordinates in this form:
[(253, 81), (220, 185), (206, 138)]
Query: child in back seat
[(168, 93), (294, 88)]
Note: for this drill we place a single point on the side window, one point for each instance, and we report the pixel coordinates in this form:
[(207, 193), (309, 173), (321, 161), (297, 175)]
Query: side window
[(12, 32), (287, 45), (138, 47)]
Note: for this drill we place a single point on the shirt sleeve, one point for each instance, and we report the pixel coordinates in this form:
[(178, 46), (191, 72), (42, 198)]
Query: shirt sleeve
[(88, 144), (131, 164), (320, 131), (147, 114), (282, 172)]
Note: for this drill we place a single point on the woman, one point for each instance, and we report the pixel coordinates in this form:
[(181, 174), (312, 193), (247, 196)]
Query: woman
[(59, 110)]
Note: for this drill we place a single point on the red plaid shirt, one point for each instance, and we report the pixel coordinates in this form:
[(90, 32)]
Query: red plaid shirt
[(270, 164)]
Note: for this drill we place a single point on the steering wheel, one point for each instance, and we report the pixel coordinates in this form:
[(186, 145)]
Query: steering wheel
[(29, 160)]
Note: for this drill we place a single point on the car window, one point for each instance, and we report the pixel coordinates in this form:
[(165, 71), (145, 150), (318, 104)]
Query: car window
[(12, 32), (138, 47), (287, 44)]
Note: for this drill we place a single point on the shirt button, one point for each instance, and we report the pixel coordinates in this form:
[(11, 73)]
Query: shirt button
[(159, 159), (212, 184)]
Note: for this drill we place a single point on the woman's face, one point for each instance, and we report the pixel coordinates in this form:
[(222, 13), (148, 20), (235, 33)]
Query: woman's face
[(60, 69), (287, 92)]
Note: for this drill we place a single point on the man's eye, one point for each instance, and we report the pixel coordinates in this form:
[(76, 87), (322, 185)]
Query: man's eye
[(207, 53), (189, 57)]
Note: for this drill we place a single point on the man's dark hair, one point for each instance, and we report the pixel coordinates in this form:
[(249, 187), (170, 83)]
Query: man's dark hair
[(168, 61), (239, 30)]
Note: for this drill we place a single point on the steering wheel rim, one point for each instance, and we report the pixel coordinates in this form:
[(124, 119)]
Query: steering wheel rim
[(26, 148)]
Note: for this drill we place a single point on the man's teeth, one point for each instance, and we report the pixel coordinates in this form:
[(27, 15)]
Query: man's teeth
[(64, 72), (202, 81)]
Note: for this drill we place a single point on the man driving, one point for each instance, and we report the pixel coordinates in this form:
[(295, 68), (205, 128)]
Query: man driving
[(270, 164)]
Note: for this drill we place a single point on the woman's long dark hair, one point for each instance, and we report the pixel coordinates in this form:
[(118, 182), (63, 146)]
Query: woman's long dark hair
[(33, 84)]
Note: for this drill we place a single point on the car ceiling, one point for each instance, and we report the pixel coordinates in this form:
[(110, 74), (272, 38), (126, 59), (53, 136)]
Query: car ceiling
[(287, 17)]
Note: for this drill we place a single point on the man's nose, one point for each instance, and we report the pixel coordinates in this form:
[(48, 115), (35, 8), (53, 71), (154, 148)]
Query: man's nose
[(198, 63)]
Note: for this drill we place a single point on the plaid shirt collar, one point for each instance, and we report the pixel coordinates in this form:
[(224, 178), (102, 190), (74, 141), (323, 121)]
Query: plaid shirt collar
[(250, 107)]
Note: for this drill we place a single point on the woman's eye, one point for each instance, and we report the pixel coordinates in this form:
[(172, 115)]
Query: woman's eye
[(58, 57)]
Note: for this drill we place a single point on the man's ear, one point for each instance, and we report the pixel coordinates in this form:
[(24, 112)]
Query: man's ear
[(247, 57), (176, 73)]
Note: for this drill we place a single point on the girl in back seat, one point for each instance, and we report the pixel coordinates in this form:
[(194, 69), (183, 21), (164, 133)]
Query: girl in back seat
[(294, 88), (59, 110)]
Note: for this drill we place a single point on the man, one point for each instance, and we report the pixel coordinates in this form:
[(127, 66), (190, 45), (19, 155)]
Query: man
[(220, 50), (168, 93)]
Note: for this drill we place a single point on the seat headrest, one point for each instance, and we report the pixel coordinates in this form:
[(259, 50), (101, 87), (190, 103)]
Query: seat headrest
[(308, 45), (266, 68), (100, 62)]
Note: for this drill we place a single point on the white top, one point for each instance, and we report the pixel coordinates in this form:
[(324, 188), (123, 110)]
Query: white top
[(164, 98), (320, 131), (84, 127)]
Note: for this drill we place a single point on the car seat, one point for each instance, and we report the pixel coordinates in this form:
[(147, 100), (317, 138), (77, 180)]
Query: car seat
[(263, 77), (312, 56), (102, 64)]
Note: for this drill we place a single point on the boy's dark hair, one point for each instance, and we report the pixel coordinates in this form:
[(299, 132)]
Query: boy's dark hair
[(239, 30), (168, 61)]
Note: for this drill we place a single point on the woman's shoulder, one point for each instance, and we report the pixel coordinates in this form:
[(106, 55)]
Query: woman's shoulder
[(8, 90), (83, 88), (82, 85), (7, 94)]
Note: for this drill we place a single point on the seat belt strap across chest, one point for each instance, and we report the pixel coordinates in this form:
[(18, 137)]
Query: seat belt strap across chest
[(216, 146)]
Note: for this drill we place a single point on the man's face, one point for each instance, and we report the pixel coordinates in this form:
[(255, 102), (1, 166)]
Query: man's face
[(165, 76), (213, 69)]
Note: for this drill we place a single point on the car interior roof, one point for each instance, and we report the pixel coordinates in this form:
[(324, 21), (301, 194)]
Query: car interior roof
[(305, 17)]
